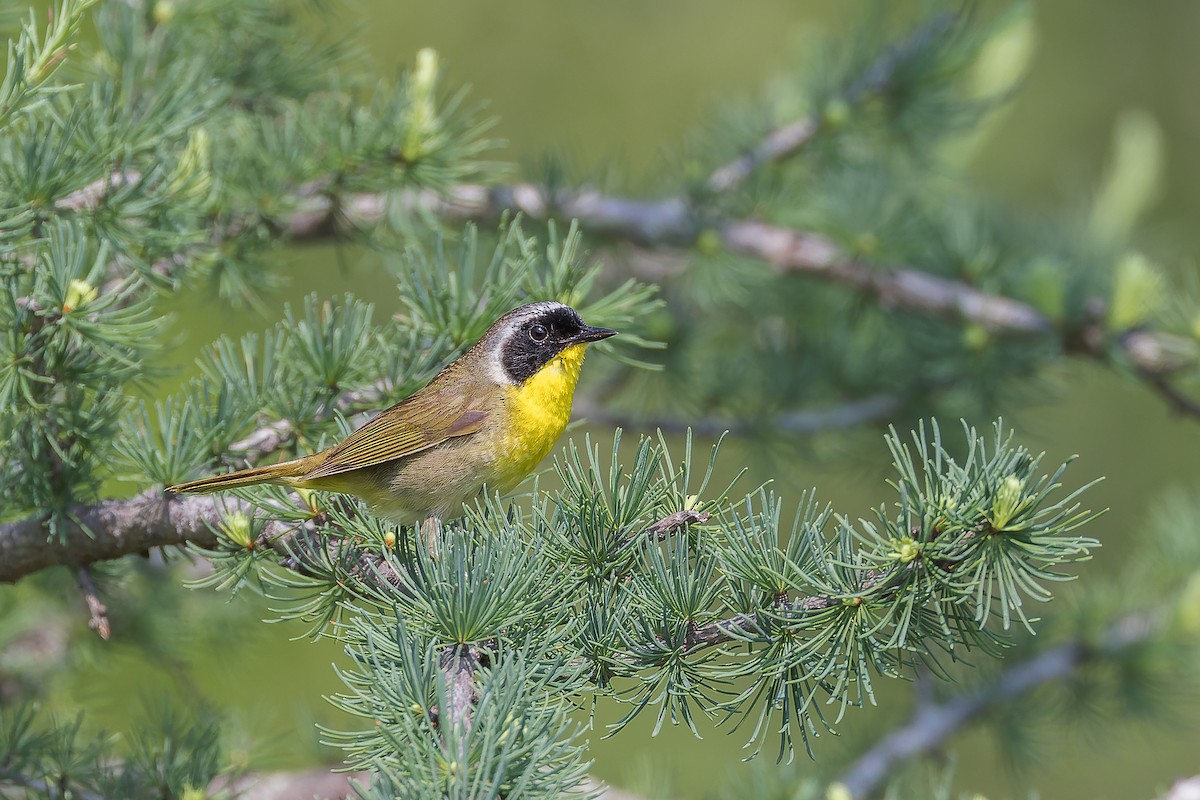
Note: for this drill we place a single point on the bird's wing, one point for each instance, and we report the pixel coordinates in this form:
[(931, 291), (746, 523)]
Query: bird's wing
[(410, 426)]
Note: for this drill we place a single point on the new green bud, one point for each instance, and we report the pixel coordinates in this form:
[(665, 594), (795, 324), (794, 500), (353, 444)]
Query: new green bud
[(1137, 293), (708, 243), (422, 116), (905, 550), (79, 294), (1046, 286), (1134, 179), (1007, 502), (236, 528), (836, 113), (838, 791), (975, 337), (163, 12), (1004, 57), (1187, 609), (192, 177)]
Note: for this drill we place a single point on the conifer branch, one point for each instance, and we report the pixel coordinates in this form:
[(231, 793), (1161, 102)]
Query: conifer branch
[(932, 724), (788, 139), (114, 528), (673, 222), (40, 787), (902, 288), (286, 785)]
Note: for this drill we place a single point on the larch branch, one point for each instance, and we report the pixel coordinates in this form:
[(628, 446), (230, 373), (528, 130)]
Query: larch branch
[(114, 528), (932, 724)]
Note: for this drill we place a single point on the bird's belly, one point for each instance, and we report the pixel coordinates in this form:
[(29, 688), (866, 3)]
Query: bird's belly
[(435, 482)]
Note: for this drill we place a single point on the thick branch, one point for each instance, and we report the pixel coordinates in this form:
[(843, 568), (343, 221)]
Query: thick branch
[(932, 724), (287, 785), (908, 289), (39, 787), (673, 222), (112, 529)]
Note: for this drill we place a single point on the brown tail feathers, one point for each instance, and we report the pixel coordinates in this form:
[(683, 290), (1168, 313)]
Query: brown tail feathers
[(276, 473)]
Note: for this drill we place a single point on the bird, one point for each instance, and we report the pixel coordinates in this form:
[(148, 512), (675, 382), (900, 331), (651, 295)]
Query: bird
[(488, 418)]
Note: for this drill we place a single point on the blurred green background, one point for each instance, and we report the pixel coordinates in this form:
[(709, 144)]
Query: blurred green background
[(617, 85)]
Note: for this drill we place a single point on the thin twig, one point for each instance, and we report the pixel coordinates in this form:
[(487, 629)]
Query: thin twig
[(676, 522), (911, 290), (97, 611), (43, 788), (287, 785), (788, 139), (930, 725), (89, 197)]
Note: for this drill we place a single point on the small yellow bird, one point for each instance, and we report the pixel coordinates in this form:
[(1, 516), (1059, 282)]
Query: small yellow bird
[(486, 419)]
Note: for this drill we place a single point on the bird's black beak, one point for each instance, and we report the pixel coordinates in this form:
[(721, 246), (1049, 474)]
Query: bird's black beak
[(590, 334)]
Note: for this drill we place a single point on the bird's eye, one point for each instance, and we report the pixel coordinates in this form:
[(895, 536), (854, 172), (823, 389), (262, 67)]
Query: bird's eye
[(538, 333)]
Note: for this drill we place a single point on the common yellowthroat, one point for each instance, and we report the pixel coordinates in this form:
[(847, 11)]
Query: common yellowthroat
[(487, 418)]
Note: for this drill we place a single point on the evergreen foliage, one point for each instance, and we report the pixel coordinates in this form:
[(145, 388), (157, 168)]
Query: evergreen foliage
[(183, 144)]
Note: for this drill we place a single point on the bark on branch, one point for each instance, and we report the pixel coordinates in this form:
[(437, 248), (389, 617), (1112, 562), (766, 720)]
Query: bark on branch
[(115, 528), (932, 724)]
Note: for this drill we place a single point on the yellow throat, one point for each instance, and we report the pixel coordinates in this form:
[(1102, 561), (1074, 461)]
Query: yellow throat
[(538, 411)]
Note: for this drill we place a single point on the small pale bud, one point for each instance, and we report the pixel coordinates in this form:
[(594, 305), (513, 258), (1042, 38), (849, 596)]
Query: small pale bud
[(193, 174), (422, 116), (1137, 293), (389, 540), (975, 337), (425, 74), (838, 791), (691, 502), (309, 498), (836, 114), (708, 242), (867, 244), (1134, 179), (1006, 54), (1007, 501), (905, 550), (1187, 609), (192, 793), (237, 528), (79, 294), (163, 12), (1047, 287)]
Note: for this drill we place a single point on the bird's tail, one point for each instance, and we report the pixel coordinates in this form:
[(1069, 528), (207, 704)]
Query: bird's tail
[(282, 472)]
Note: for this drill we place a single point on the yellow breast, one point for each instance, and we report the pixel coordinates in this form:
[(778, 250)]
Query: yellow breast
[(538, 410)]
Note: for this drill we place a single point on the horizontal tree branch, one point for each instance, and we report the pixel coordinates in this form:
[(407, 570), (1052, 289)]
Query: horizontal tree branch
[(673, 222), (930, 725), (115, 528), (288, 785)]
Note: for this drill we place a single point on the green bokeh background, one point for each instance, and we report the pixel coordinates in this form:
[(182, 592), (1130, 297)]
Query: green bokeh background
[(618, 84)]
